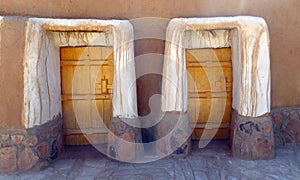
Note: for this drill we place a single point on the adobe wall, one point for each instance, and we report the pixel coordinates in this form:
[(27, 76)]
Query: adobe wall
[(11, 72), (282, 19)]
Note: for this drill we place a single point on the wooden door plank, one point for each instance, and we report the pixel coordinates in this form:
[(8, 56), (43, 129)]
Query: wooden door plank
[(97, 114), (107, 112), (210, 84), (84, 104), (222, 133), (202, 55), (73, 53), (95, 75), (96, 138), (68, 114), (82, 112)]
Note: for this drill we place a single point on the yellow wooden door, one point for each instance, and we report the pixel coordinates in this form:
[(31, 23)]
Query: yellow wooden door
[(210, 91), (86, 78)]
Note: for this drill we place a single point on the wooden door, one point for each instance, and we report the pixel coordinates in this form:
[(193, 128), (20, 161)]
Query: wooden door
[(86, 78), (210, 91)]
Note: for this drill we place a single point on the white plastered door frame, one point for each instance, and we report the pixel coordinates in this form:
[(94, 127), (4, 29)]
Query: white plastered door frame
[(251, 63), (42, 91)]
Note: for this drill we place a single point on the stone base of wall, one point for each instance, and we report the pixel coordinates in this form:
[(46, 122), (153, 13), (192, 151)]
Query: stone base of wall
[(252, 138), (33, 148), (286, 123), (124, 140), (173, 134)]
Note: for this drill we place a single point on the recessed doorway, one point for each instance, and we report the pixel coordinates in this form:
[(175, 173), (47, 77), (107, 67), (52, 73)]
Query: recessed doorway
[(87, 84), (209, 92)]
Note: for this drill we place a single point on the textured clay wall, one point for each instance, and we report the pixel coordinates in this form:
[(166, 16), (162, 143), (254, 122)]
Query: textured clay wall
[(11, 71), (282, 17)]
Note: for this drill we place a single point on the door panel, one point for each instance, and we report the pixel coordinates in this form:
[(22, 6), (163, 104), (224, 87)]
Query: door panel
[(210, 91), (75, 79), (97, 114), (68, 114), (107, 108), (87, 78)]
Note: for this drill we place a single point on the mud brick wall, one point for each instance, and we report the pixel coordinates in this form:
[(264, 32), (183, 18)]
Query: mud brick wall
[(21, 149), (282, 18), (12, 43)]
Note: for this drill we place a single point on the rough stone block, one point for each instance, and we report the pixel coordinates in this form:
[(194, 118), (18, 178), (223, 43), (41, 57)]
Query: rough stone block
[(48, 134), (27, 159), (30, 141), (124, 141), (173, 134), (55, 131), (8, 159), (286, 122), (17, 139), (277, 119), (294, 128), (4, 137), (252, 138), (43, 150), (23, 149), (60, 142)]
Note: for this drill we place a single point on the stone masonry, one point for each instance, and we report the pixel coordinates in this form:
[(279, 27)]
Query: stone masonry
[(173, 134), (252, 138), (286, 125), (33, 148), (172, 137), (124, 141)]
